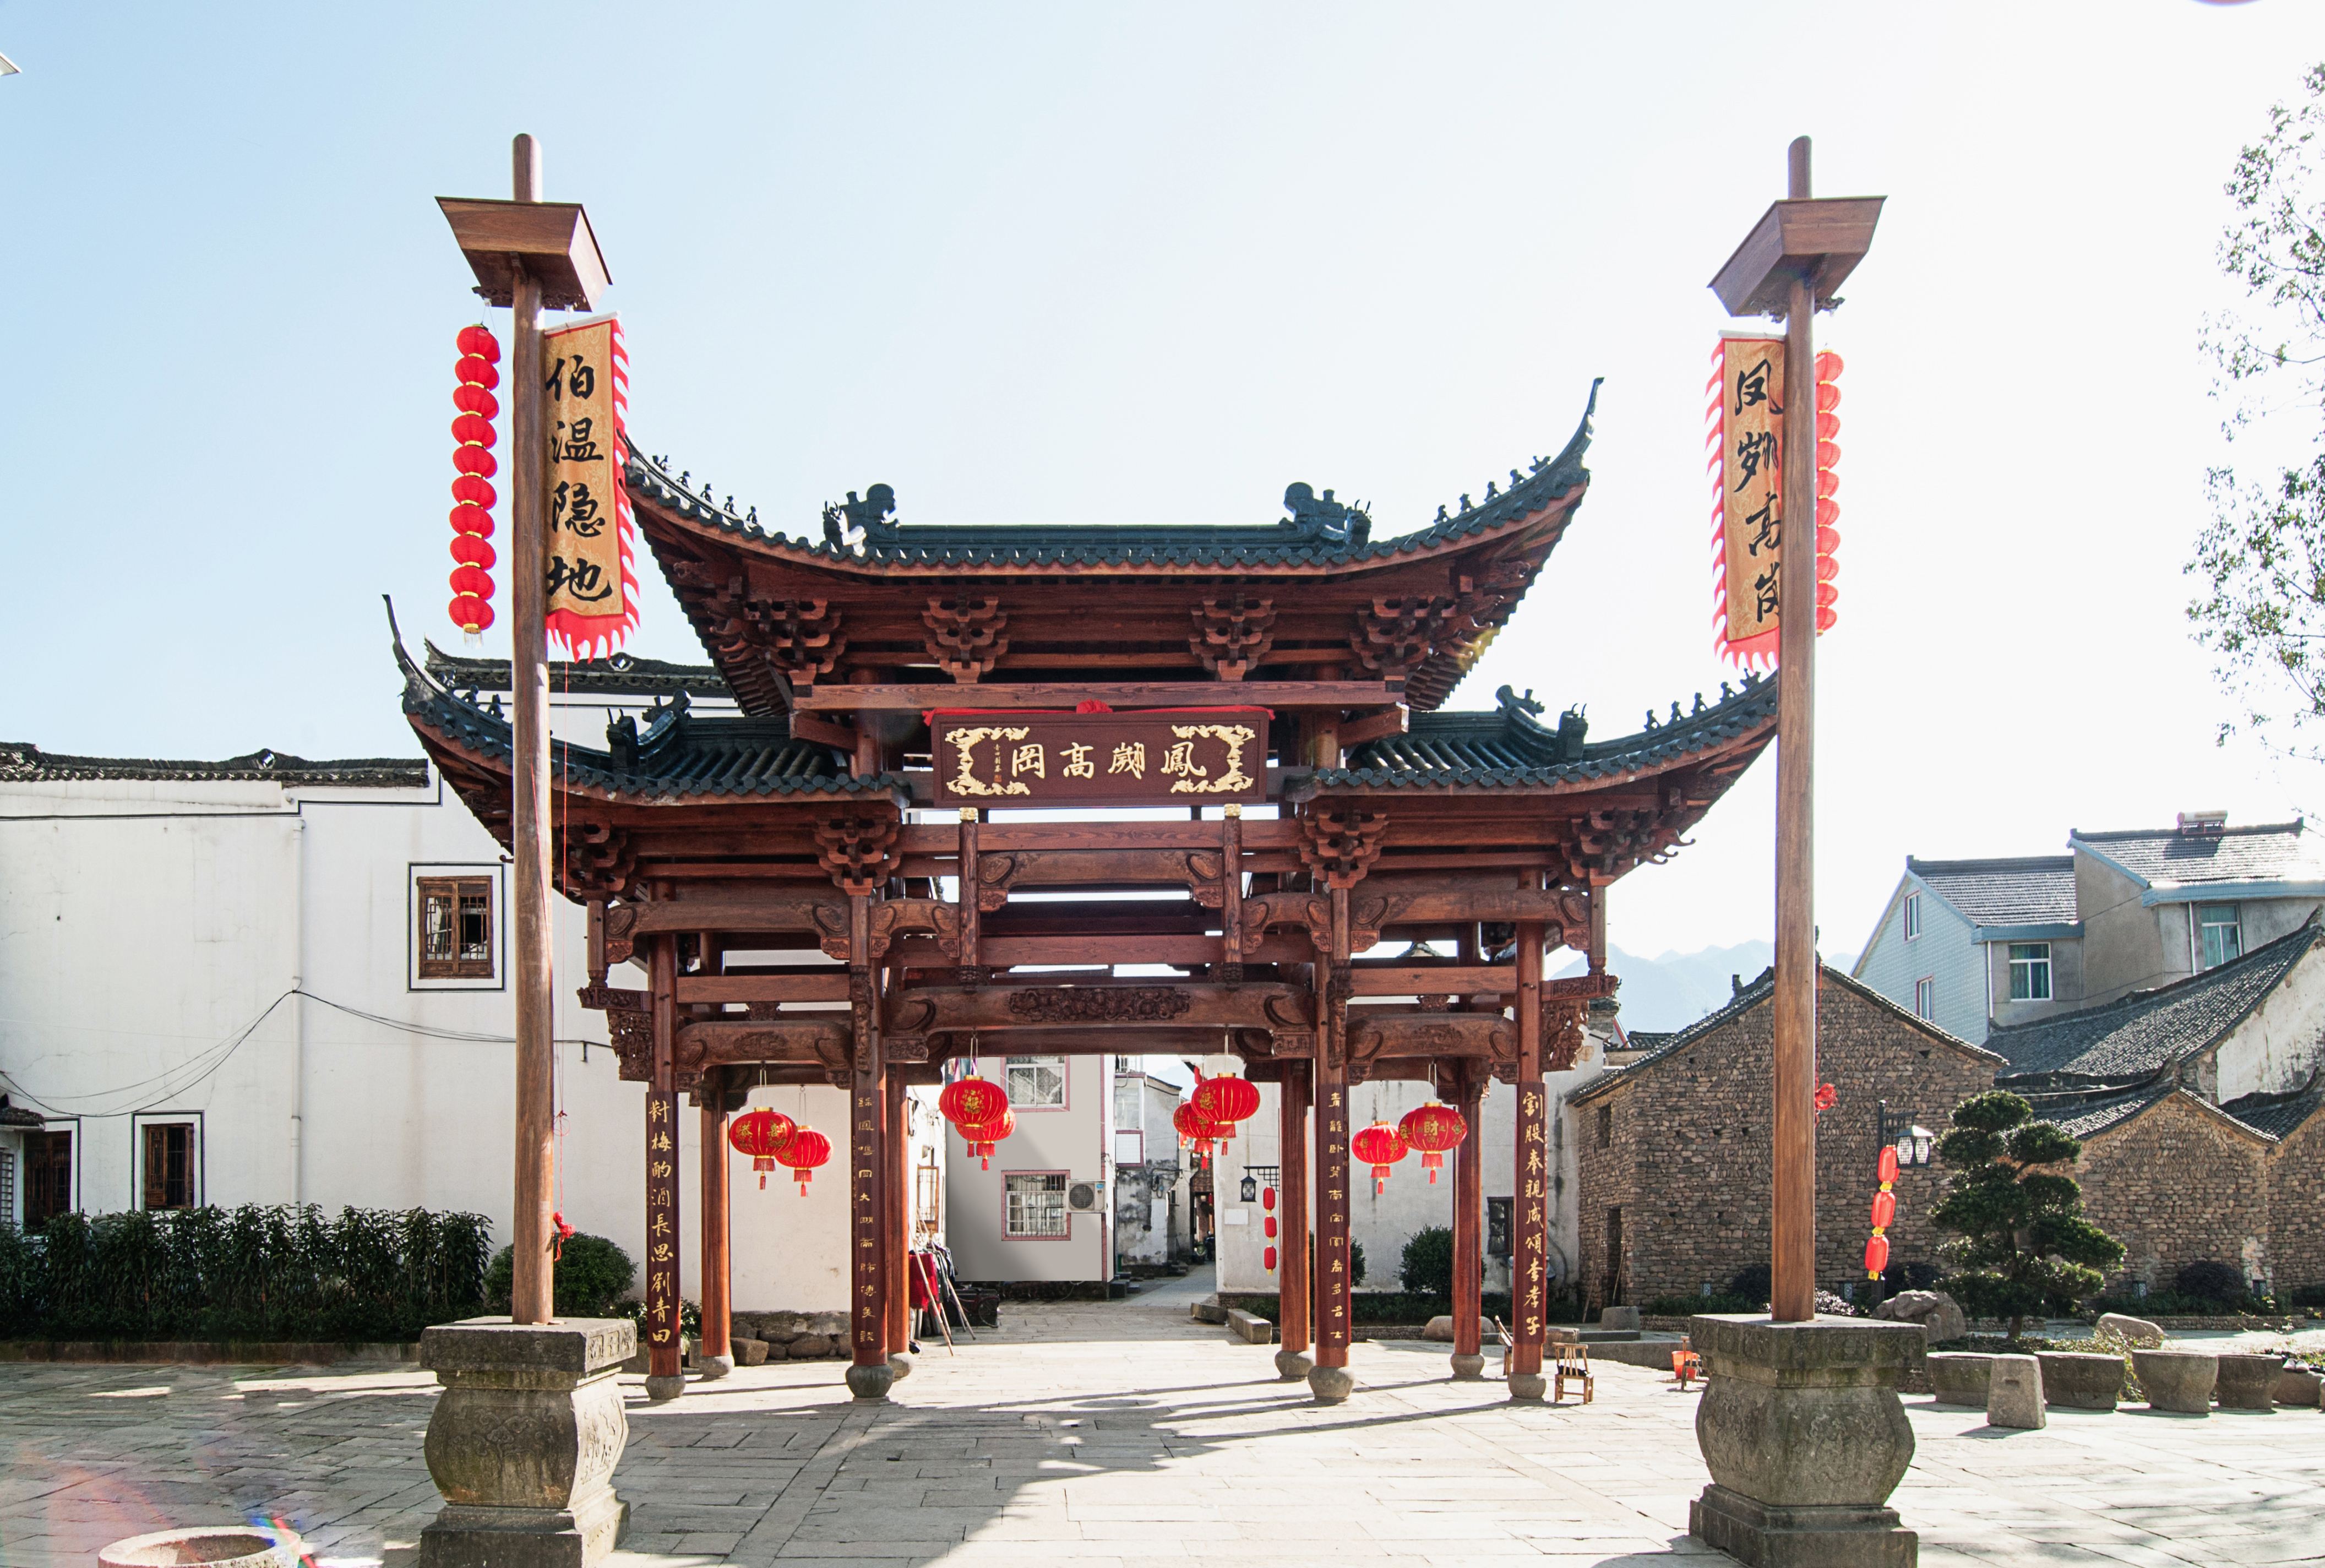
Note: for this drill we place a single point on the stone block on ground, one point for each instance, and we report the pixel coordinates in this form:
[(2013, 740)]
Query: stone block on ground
[(2014, 1393), (781, 1326), (2247, 1382), (2080, 1380), (1940, 1319), (2137, 1333), (1251, 1328), (1958, 1376), (2299, 1386), (1619, 1317), (749, 1352), (777, 1350), (807, 1347), (2177, 1380), (1440, 1327), (1207, 1311)]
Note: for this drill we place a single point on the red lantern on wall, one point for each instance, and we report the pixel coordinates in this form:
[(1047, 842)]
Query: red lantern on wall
[(972, 1101), (763, 1134), (1267, 1259), (472, 524), (1432, 1129), (1876, 1255), (1380, 1146), (807, 1149), (981, 1137), (1225, 1101), (1884, 1210)]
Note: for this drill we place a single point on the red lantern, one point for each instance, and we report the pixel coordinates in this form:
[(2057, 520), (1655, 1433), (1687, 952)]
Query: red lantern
[(1268, 1227), (1267, 1197), (1267, 1259), (983, 1136), (1225, 1101), (1876, 1255), (1380, 1146), (972, 1101), (807, 1149), (1195, 1129), (472, 584), (763, 1134), (1432, 1129), (1886, 1171), (1884, 1210), (1827, 1097)]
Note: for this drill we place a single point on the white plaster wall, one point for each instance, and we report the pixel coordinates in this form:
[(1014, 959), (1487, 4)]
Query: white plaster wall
[(2276, 1048), (1077, 1141)]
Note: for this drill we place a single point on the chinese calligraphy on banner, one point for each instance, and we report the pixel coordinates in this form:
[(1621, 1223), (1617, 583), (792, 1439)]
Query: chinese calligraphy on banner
[(661, 1324), (592, 597), (1530, 1263), (1747, 510), (1171, 756), (868, 1309)]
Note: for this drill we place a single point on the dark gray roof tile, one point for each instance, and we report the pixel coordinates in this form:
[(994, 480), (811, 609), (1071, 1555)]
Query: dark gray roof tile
[(2265, 852), (22, 763), (2028, 890)]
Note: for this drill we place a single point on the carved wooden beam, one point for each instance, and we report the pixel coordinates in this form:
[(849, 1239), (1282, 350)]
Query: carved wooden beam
[(1233, 635), (966, 636), (1397, 635), (1341, 843), (721, 913), (857, 852), (933, 1009)]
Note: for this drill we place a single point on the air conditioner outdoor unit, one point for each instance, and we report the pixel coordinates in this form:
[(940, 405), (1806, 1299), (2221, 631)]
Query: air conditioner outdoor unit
[(1084, 1195)]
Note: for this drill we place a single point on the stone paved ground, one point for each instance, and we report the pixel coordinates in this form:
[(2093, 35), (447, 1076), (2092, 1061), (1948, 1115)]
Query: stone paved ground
[(1116, 1435)]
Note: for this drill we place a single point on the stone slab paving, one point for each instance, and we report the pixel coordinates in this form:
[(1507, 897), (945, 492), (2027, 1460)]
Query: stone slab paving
[(1114, 1436)]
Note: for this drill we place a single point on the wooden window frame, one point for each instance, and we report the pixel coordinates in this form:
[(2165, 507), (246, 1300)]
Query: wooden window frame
[(155, 1189), (40, 1162), (928, 1196), (426, 889)]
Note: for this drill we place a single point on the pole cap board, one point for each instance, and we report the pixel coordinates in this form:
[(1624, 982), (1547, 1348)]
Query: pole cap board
[(1821, 240), (551, 240)]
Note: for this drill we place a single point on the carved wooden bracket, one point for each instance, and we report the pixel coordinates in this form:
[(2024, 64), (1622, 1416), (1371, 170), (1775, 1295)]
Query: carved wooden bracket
[(1232, 635), (599, 859), (800, 637), (611, 998), (630, 1032), (1262, 910), (864, 1018), (1483, 599), (1561, 1033), (996, 873), (1609, 843), (1397, 635), (1340, 845), (859, 853), (1206, 870), (889, 919), (966, 637)]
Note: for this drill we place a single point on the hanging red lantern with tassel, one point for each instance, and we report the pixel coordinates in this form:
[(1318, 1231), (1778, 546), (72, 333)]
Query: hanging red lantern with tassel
[(972, 1101), (1195, 1129), (981, 1137), (1432, 1129), (472, 492), (1380, 1146), (807, 1149), (1224, 1102), (763, 1134)]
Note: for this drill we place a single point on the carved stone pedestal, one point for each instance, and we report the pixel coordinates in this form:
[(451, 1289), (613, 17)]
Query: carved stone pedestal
[(1294, 1365), (524, 1442), (1805, 1438), (1330, 1385)]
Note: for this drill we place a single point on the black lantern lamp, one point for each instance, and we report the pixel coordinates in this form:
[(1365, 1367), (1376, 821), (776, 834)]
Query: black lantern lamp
[(1912, 1141), (1250, 1189)]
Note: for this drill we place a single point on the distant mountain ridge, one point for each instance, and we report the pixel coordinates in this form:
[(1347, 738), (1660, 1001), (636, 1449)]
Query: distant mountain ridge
[(1674, 989)]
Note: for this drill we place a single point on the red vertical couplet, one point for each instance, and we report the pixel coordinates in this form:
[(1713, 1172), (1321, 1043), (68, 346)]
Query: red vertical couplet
[(1530, 1247), (661, 1233)]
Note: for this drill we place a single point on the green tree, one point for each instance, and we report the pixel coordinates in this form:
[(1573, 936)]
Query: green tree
[(2021, 1247), (1427, 1267), (2261, 559)]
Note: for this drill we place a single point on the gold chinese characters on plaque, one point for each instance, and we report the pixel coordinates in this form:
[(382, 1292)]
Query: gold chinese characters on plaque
[(1171, 756), (592, 591)]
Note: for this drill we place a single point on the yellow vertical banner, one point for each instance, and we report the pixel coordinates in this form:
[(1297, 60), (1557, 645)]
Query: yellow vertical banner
[(592, 587), (1745, 415)]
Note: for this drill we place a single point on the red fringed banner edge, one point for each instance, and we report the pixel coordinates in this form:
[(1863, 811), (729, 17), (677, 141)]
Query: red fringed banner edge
[(1761, 649)]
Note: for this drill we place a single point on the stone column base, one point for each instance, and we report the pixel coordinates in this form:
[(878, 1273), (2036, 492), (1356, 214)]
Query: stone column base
[(871, 1382), (660, 1389), (1330, 1385), (1529, 1387), (901, 1365), (1831, 1536), (1294, 1365), (467, 1536), (713, 1367), (1469, 1368)]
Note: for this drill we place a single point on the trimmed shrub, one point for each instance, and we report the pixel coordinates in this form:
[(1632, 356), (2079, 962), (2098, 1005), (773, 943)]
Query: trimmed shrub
[(591, 1275), (1752, 1284), (2211, 1281), (1427, 1267)]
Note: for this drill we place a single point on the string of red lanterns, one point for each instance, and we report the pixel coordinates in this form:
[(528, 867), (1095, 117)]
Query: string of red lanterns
[(1885, 1214), (1379, 1146), (472, 491), (806, 1150), (1432, 1129), (763, 1134), (1827, 485)]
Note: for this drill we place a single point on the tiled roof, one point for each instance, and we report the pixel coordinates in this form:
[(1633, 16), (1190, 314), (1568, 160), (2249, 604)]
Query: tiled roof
[(2265, 852), (2028, 890), (2277, 1114), (1326, 535), (2131, 1040), (621, 673), (675, 756), (1508, 748), (22, 763), (2086, 1116)]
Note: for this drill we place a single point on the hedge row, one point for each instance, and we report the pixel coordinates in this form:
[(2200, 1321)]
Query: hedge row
[(253, 1273)]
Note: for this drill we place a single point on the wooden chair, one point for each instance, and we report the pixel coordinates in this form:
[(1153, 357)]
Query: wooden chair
[(1574, 1365)]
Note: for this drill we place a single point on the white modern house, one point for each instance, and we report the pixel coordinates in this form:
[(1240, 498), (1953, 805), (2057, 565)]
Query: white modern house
[(275, 980), (1041, 1212)]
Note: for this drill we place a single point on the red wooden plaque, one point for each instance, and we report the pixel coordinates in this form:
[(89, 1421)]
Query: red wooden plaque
[(1165, 756)]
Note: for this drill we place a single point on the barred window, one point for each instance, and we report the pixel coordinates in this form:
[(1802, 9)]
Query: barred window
[(1037, 1204), (1036, 1083)]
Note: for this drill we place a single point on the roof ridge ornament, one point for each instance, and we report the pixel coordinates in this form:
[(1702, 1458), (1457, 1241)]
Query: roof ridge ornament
[(1322, 517), (869, 520)]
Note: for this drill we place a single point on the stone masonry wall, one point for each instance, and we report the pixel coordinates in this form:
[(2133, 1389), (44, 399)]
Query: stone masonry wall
[(1688, 1156), (2176, 1184), (2296, 1209)]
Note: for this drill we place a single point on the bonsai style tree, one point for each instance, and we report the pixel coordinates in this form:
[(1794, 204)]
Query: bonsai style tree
[(2022, 1247)]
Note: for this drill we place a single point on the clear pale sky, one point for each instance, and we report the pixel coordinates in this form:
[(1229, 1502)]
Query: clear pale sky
[(1150, 263)]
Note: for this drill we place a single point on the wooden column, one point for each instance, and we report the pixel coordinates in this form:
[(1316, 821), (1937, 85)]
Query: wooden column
[(969, 973), (718, 1268), (1291, 1281), (1530, 1216), (1231, 895), (664, 1372), (532, 1298), (1468, 1217), (868, 1334), (1792, 1260), (898, 1214), (1333, 1279)]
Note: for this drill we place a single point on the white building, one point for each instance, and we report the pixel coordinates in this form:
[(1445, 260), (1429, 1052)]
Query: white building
[(1152, 1205), (270, 980)]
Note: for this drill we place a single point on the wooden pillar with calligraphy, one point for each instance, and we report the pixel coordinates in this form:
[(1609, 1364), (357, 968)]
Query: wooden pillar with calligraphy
[(1335, 1270), (1292, 1280), (715, 1356), (1530, 1181), (896, 1214), (1468, 1225), (665, 1376), (1775, 497), (869, 1376)]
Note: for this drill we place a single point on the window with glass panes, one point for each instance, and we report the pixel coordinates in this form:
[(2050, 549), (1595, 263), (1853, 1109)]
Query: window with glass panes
[(2030, 972), (2220, 932), (1912, 915), (1037, 1204), (1925, 998), (1036, 1083), (456, 928)]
